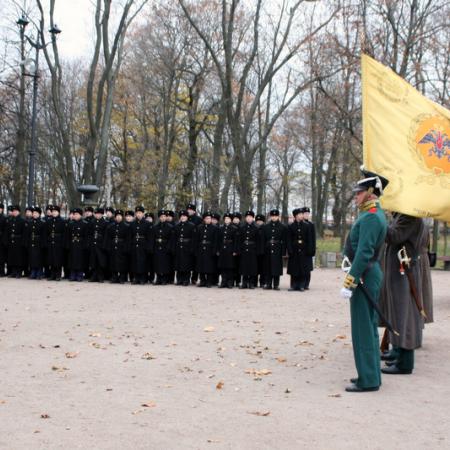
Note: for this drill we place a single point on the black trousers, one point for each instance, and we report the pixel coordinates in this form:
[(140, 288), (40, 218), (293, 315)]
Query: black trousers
[(227, 276), (297, 283), (272, 280), (183, 277), (307, 279), (207, 279)]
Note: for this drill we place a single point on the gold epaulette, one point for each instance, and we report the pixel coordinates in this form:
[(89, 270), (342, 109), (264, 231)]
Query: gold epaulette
[(368, 205)]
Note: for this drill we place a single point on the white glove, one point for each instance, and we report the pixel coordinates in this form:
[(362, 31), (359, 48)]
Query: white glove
[(346, 293)]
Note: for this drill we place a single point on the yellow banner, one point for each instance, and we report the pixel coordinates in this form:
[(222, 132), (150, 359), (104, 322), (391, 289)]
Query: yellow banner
[(407, 140)]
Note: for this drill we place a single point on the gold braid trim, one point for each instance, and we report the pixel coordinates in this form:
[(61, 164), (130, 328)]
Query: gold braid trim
[(349, 282), (368, 205)]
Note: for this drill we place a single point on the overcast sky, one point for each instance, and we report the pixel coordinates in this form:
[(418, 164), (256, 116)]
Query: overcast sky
[(73, 17)]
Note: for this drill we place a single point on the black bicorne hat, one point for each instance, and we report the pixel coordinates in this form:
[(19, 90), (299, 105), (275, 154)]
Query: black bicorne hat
[(371, 181)]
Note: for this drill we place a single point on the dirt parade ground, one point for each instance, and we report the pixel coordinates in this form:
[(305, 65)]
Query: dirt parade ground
[(103, 366)]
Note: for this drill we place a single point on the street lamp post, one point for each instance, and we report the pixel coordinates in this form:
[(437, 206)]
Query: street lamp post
[(34, 73)]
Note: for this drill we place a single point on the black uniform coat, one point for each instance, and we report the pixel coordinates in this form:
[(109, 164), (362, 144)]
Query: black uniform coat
[(162, 247), (13, 240), (183, 244), (2, 245), (275, 236), (226, 246), (34, 239), (206, 248), (116, 244), (299, 248), (250, 244), (312, 244), (55, 228), (96, 231), (76, 243), (140, 245)]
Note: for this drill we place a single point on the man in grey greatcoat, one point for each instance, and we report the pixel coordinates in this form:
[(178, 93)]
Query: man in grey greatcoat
[(404, 232)]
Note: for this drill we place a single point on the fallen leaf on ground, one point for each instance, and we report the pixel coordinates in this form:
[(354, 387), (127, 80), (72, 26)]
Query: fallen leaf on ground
[(45, 416), (219, 385), (94, 344), (2, 402), (281, 359), (339, 336), (305, 343), (59, 369), (258, 372), (259, 413), (95, 334), (147, 355), (71, 354), (208, 329), (149, 405)]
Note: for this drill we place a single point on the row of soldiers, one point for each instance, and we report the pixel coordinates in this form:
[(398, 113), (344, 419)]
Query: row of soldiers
[(123, 246)]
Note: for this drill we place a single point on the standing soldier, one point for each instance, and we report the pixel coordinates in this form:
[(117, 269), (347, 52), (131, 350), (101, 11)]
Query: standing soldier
[(183, 237), (170, 218), (260, 220), (311, 246), (140, 246), (403, 289), (206, 242), (275, 235), (237, 217), (196, 220), (47, 216), (29, 213), (55, 228), (162, 249), (109, 211), (364, 280), (95, 237), (76, 243), (13, 240), (2, 246), (116, 244), (226, 251), (193, 217), (150, 217), (298, 238), (34, 238), (250, 244)]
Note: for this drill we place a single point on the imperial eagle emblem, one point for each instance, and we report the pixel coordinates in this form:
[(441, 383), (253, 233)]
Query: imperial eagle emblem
[(441, 144)]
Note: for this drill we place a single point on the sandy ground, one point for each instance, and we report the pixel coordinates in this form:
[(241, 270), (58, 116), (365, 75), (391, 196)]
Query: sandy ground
[(90, 366)]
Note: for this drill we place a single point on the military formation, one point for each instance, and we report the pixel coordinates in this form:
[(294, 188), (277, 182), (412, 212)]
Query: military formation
[(236, 250)]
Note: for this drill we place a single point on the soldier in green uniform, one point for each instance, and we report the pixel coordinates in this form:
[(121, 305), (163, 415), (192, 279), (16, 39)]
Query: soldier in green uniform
[(362, 247)]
